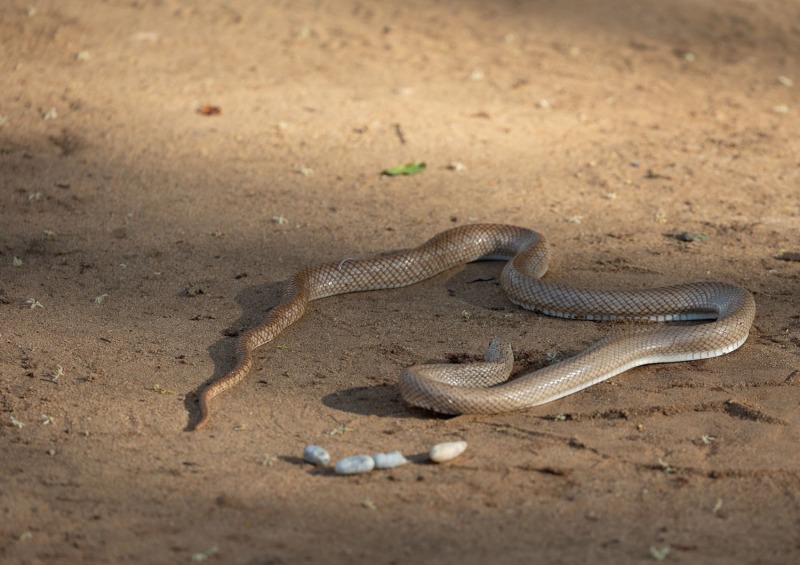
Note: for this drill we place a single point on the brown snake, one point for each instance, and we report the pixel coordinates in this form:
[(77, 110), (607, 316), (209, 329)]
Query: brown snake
[(483, 387)]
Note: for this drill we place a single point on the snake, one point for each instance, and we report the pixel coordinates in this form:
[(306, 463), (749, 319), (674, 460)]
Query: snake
[(711, 319)]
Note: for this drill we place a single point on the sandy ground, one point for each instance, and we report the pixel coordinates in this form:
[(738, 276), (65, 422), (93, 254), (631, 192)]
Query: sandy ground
[(138, 235)]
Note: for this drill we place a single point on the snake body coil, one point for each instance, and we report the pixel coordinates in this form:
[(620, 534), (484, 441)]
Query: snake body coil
[(483, 387)]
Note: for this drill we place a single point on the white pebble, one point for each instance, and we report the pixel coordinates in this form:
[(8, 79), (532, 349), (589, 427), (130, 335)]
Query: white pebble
[(316, 455), (354, 464), (448, 450), (389, 459)]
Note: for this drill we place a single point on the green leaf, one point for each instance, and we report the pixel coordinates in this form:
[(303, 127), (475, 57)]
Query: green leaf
[(407, 169)]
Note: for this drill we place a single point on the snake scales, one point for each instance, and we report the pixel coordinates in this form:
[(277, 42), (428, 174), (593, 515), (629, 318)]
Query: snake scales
[(483, 387)]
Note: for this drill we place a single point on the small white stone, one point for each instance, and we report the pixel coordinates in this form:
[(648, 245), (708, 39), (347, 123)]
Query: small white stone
[(354, 464), (389, 459), (316, 455), (448, 450)]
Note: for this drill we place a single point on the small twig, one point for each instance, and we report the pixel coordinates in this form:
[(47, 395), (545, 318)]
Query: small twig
[(399, 131)]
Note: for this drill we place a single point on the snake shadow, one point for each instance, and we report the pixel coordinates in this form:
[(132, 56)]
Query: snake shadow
[(378, 400)]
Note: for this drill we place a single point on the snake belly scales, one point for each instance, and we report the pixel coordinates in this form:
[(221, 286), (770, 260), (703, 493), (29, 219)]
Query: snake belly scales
[(484, 387)]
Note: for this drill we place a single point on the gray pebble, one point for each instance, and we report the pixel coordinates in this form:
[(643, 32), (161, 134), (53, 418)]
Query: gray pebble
[(389, 459), (354, 464), (316, 455)]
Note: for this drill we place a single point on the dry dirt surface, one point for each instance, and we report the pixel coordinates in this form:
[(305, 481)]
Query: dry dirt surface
[(165, 167)]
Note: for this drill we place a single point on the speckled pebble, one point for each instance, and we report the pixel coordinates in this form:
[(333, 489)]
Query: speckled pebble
[(316, 455), (389, 459), (354, 464), (448, 450)]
